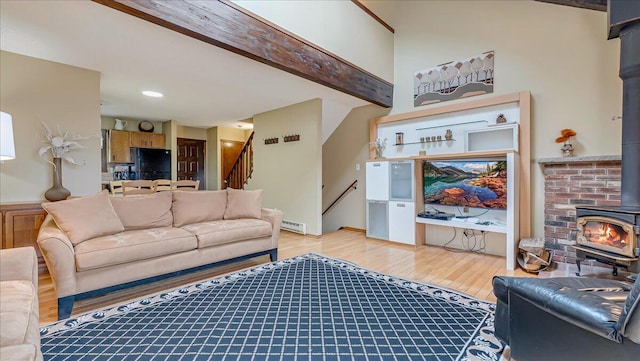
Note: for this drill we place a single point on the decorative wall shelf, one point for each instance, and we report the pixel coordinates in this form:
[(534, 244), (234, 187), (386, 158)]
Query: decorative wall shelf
[(427, 141), (512, 140), (456, 124)]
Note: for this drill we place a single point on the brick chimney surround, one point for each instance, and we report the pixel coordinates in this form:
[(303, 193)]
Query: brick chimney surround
[(571, 182)]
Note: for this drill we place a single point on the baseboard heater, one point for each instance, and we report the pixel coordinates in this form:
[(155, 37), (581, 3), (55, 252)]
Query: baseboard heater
[(292, 226)]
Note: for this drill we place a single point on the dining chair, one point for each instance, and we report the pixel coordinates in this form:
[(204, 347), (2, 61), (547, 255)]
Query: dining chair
[(139, 187), (115, 187), (186, 185), (164, 185)]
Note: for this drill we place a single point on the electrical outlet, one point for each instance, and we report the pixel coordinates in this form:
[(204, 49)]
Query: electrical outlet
[(465, 209), (357, 166)]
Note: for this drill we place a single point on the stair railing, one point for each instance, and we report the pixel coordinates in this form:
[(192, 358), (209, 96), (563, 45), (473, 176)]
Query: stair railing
[(351, 187), (243, 167)]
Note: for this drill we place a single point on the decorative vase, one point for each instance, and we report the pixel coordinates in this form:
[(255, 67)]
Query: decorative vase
[(57, 192), (448, 135), (399, 138), (379, 151), (567, 150)]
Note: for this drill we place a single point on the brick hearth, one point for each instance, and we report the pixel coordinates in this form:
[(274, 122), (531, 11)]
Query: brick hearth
[(575, 181)]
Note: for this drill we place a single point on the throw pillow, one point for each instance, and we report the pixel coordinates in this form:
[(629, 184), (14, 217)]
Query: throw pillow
[(243, 204), (85, 217), (194, 207), (144, 211)]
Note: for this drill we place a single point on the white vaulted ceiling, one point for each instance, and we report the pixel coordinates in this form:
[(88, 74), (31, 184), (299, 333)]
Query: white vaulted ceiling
[(203, 85)]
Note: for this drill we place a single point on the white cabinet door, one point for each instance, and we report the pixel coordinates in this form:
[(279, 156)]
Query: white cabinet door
[(377, 219), (401, 181), (402, 222), (377, 181)]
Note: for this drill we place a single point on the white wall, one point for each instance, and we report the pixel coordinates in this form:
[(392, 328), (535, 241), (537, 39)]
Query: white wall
[(340, 27), (34, 91), (385, 10), (291, 173), (347, 147), (191, 133), (559, 53)]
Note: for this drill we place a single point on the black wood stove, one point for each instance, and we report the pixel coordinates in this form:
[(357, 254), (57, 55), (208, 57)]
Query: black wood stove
[(610, 234)]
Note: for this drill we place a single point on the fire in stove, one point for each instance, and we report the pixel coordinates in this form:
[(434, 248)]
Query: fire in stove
[(605, 233)]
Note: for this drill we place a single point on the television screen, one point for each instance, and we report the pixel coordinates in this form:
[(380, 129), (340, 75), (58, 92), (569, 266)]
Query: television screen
[(470, 183)]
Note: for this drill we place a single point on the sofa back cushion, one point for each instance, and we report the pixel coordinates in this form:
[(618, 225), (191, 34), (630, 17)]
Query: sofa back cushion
[(243, 204), (629, 322), (144, 211), (86, 217), (194, 207)]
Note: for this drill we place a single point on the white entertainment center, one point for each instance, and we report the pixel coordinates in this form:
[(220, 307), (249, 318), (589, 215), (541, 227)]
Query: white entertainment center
[(463, 131)]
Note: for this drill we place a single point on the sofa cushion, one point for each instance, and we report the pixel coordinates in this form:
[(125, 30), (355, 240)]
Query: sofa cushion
[(227, 231), (86, 217), (194, 207), (131, 246), (243, 204), (18, 313), (144, 211), (24, 352)]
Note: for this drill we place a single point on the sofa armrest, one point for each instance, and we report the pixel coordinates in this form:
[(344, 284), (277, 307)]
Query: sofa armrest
[(274, 217), (576, 301), (59, 255), (19, 264)]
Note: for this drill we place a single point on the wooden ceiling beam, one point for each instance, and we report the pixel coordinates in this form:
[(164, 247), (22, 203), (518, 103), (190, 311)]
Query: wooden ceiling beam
[(227, 26), (600, 5)]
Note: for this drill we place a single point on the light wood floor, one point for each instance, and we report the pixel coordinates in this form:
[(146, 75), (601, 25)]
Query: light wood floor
[(470, 273)]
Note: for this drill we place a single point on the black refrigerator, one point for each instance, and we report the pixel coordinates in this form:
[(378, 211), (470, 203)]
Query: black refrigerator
[(152, 163)]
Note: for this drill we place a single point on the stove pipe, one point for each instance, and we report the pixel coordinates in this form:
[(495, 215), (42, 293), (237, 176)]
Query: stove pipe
[(624, 21)]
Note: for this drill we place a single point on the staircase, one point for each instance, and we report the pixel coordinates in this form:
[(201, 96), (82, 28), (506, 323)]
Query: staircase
[(243, 167)]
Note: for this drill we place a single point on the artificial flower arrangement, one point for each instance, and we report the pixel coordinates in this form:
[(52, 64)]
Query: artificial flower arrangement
[(379, 146), (565, 137), (59, 144)]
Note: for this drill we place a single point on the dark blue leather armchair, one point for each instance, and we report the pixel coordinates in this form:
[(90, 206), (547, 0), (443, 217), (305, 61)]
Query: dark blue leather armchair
[(568, 318)]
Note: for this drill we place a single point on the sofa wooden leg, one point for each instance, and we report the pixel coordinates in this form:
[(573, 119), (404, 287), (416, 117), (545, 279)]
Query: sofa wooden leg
[(65, 306), (273, 254)]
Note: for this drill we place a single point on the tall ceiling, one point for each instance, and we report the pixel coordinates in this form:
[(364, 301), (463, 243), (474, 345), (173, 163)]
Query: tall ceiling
[(203, 85)]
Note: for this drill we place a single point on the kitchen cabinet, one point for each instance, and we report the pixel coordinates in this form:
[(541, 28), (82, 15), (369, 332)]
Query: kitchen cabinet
[(119, 146), (147, 140), (20, 225)]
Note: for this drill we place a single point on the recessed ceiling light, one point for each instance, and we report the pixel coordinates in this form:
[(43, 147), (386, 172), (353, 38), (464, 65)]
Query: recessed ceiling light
[(153, 94)]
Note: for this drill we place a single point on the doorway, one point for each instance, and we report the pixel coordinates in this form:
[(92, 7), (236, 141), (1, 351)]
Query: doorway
[(229, 152), (191, 160)]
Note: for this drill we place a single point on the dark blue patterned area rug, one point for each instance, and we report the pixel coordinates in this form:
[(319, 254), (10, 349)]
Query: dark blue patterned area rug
[(305, 308)]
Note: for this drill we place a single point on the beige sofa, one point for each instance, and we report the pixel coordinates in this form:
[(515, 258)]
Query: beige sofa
[(96, 244), (19, 314)]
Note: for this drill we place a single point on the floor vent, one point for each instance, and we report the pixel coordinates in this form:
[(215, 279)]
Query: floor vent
[(296, 227)]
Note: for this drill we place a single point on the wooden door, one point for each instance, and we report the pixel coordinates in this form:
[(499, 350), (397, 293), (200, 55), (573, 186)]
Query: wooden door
[(230, 150), (191, 160)]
